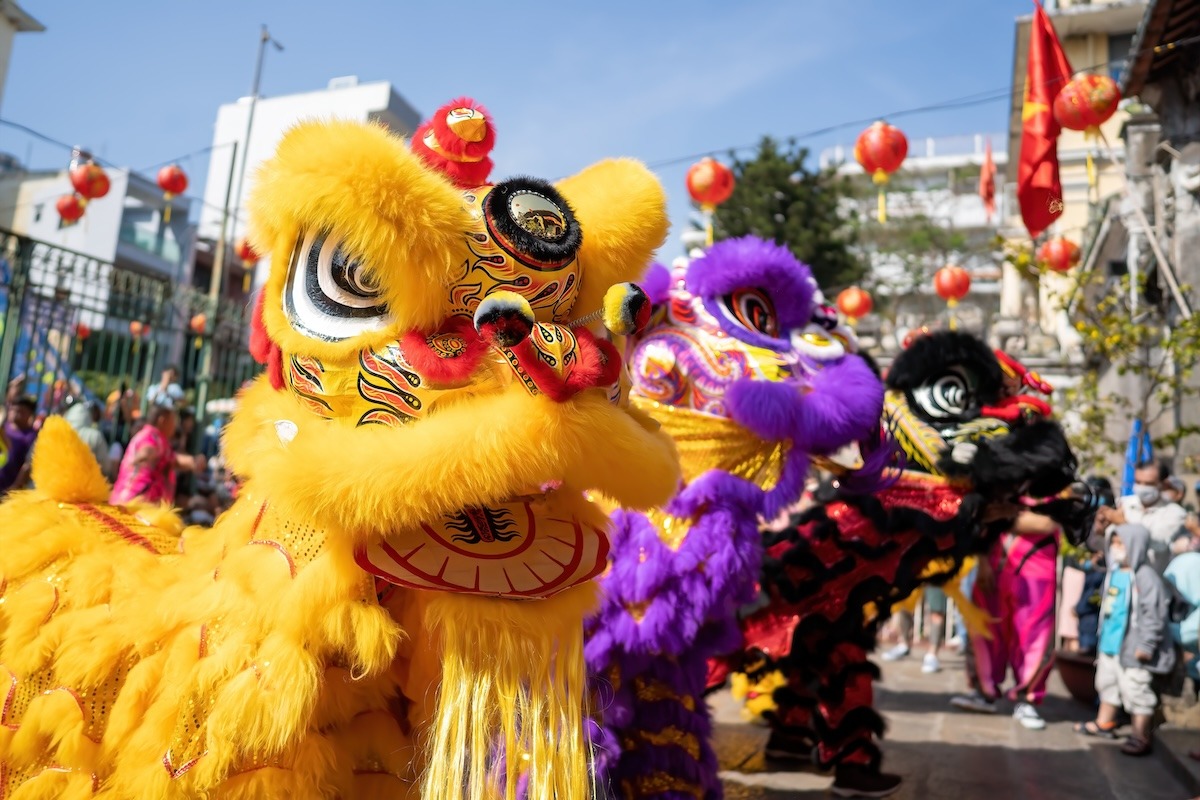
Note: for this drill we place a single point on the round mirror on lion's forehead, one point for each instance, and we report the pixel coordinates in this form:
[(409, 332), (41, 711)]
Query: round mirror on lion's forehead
[(537, 215)]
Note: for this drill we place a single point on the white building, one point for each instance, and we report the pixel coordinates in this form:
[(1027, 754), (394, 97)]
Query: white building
[(13, 20), (124, 229), (344, 98), (939, 181)]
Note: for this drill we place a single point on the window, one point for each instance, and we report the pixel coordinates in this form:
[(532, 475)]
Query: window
[(1120, 46)]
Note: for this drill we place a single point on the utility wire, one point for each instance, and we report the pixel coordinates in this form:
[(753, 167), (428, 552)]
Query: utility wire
[(106, 163), (966, 101)]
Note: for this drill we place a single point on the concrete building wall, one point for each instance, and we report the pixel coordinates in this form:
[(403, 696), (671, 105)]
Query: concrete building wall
[(13, 20), (33, 213), (274, 116)]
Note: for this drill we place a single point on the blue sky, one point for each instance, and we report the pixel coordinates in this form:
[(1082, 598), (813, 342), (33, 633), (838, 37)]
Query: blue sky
[(139, 81)]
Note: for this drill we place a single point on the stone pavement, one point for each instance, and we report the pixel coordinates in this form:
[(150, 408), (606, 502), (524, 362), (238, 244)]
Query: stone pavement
[(944, 754)]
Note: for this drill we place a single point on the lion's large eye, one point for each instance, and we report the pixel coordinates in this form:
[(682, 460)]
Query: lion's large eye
[(753, 310), (330, 294), (948, 396), (532, 222)]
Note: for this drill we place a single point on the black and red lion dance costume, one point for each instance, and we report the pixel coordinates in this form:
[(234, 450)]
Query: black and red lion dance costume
[(972, 447)]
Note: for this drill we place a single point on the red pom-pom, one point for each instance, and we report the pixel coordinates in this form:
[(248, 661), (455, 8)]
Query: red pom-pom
[(457, 141)]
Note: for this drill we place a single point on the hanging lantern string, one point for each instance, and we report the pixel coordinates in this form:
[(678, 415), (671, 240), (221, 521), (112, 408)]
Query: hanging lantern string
[(110, 165), (966, 101)]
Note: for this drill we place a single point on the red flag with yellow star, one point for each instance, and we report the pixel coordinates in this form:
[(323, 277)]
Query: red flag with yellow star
[(1039, 190), (987, 182)]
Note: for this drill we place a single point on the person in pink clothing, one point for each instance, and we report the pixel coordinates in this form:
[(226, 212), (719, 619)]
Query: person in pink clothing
[(1016, 585), (148, 467)]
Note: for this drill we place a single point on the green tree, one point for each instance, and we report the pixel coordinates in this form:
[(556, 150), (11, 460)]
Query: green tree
[(1153, 353), (778, 197)]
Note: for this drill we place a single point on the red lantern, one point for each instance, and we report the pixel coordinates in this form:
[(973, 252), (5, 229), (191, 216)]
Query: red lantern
[(173, 181), (82, 332), (90, 181), (1059, 254), (710, 183), (70, 207), (855, 303), (198, 324), (245, 251), (880, 150), (137, 328), (952, 284), (1087, 102)]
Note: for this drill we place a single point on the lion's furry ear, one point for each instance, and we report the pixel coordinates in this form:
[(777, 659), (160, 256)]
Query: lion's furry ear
[(623, 212)]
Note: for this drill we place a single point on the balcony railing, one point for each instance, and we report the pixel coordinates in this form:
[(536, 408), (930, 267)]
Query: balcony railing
[(149, 241)]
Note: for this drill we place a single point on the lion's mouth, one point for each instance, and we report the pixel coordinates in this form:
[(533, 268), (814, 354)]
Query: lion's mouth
[(531, 546)]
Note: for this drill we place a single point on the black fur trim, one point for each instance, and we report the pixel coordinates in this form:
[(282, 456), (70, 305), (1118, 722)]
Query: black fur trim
[(1033, 459), (929, 355), (526, 247)]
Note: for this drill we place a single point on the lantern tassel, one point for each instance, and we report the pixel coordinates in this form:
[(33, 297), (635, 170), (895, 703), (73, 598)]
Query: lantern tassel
[(707, 209), (167, 209), (197, 343), (881, 211)]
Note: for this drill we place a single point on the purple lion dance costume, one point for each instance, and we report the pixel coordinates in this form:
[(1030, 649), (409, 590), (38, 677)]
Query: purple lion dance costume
[(741, 367)]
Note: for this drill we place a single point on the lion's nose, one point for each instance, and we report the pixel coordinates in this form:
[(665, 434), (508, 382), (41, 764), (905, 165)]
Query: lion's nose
[(548, 358)]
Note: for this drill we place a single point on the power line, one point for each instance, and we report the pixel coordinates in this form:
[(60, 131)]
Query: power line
[(966, 101), (110, 165)]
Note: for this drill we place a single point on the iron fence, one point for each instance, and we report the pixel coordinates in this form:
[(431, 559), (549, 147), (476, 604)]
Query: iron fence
[(72, 324)]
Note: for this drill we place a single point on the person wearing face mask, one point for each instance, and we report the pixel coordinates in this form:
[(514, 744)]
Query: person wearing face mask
[(1151, 507), (1135, 644)]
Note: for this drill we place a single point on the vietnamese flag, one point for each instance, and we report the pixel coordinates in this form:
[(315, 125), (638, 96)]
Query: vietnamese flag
[(987, 182), (1039, 190)]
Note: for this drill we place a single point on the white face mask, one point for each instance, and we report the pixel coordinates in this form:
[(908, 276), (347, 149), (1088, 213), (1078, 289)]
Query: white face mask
[(1117, 555), (1147, 494)]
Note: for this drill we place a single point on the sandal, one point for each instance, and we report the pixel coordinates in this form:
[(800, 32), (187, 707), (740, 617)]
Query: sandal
[(1136, 746), (1092, 728)]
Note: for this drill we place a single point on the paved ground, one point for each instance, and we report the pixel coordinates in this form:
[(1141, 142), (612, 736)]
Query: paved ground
[(944, 754)]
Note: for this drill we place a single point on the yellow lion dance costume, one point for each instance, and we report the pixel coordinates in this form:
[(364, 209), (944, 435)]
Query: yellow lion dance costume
[(393, 608)]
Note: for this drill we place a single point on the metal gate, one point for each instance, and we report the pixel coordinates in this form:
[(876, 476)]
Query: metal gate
[(72, 325)]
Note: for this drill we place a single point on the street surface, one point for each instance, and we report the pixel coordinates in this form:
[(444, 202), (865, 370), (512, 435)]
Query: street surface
[(944, 754)]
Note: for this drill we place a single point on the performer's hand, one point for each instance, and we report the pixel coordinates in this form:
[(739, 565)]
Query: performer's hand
[(964, 453)]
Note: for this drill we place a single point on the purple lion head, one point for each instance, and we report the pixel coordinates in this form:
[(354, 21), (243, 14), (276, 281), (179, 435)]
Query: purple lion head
[(743, 333)]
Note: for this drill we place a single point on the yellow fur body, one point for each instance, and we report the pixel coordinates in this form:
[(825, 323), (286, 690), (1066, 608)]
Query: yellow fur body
[(258, 659)]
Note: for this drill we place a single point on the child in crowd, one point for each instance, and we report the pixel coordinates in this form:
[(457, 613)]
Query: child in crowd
[(1134, 643)]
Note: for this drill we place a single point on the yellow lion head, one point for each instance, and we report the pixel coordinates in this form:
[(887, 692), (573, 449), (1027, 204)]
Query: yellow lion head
[(436, 392)]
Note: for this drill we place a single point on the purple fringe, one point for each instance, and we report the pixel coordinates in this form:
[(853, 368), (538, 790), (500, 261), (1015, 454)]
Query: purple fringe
[(687, 601)]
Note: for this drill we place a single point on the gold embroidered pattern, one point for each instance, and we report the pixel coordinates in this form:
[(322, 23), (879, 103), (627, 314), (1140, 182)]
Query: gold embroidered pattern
[(706, 442), (655, 691), (660, 783)]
